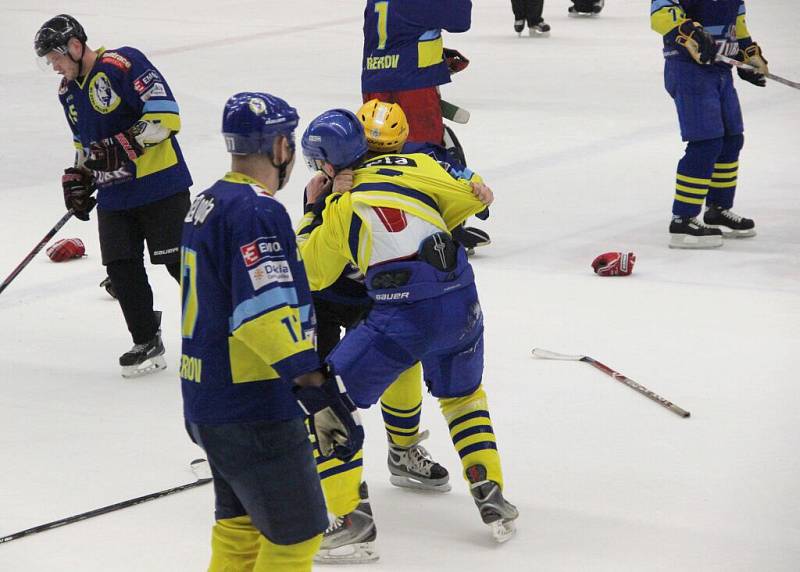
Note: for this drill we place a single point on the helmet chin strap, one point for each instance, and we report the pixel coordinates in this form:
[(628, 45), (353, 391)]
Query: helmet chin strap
[(281, 169), (79, 61)]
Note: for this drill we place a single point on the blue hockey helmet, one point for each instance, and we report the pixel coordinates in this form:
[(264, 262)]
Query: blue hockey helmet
[(336, 137), (252, 120)]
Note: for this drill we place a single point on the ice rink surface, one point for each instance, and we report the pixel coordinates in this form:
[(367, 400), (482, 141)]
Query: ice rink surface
[(579, 140)]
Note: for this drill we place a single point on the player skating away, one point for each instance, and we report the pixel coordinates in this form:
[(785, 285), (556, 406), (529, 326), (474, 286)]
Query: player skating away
[(529, 12), (393, 225), (403, 58), (710, 117), (124, 120), (247, 332), (586, 7)]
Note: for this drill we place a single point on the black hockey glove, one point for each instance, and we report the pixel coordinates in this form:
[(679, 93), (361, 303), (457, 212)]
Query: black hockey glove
[(752, 55), (333, 418), (699, 44), (113, 152), (78, 187), (455, 60)]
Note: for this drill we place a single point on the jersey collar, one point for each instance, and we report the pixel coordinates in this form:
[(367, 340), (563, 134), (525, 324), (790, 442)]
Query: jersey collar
[(235, 177)]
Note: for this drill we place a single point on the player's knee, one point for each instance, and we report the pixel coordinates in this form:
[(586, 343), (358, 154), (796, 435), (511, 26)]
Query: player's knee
[(733, 144), (706, 150)]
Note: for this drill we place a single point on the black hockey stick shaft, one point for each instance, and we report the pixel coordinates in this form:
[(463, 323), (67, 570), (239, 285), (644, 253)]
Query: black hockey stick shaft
[(103, 510), (748, 67), (50, 234), (637, 386)]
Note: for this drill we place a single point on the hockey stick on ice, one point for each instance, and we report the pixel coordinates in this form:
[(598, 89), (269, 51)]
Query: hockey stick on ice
[(199, 467), (748, 67), (546, 354), (453, 112), (50, 234)]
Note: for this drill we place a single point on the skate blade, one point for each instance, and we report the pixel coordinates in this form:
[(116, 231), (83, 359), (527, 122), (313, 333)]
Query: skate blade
[(412, 483), (503, 530), (535, 34), (696, 242), (728, 233), (358, 553), (147, 367)]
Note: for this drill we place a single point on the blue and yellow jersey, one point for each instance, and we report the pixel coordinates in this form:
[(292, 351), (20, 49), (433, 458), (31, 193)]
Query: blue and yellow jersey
[(403, 42), (723, 19), (121, 89), (414, 183), (247, 315)]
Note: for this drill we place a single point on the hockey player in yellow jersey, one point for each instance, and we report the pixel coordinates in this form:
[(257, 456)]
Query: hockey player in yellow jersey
[(393, 224)]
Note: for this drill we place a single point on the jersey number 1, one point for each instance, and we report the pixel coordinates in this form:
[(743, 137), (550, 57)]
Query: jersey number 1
[(189, 291), (382, 8)]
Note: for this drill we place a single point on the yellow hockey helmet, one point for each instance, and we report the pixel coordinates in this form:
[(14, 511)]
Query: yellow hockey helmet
[(385, 125)]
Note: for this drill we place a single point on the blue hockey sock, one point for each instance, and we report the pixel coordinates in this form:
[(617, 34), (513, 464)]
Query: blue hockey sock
[(694, 176), (726, 171)]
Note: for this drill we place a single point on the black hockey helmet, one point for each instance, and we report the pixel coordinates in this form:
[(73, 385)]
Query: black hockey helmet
[(55, 33)]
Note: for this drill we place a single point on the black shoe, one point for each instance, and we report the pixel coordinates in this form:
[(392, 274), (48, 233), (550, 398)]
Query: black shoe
[(728, 222), (144, 358), (519, 25), (689, 232)]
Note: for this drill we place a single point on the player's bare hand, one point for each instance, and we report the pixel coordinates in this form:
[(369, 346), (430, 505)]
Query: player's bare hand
[(317, 187), (343, 181), (483, 192)]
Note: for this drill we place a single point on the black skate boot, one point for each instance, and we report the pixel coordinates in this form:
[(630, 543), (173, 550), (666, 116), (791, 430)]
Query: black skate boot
[(412, 467), (496, 511), (519, 25), (350, 539), (470, 237), (586, 7), (728, 222), (144, 358), (689, 232), (541, 28), (106, 283)]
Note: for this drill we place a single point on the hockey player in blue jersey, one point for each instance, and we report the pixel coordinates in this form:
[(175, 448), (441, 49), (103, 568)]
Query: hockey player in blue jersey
[(710, 117), (124, 121), (248, 353), (393, 225)]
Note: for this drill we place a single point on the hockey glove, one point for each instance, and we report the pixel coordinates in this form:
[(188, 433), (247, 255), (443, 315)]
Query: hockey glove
[(66, 249), (113, 152), (78, 187), (752, 55), (696, 41), (333, 418), (614, 264), (455, 60)]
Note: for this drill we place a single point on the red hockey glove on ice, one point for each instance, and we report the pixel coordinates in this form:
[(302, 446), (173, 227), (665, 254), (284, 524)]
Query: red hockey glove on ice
[(66, 249), (614, 264), (455, 60), (113, 152)]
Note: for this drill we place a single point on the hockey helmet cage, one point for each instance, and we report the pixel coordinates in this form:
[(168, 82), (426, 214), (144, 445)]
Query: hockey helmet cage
[(54, 34), (252, 120), (385, 126), (336, 137)]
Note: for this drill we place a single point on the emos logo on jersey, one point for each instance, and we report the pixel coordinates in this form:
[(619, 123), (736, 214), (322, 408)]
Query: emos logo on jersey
[(260, 249), (101, 95)]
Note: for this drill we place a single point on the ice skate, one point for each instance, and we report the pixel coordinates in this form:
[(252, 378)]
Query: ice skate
[(689, 232), (350, 539), (495, 511), (586, 7), (146, 358), (542, 29), (519, 25), (412, 467), (728, 222)]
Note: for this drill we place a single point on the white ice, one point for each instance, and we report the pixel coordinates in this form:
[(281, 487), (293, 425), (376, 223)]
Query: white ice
[(579, 140)]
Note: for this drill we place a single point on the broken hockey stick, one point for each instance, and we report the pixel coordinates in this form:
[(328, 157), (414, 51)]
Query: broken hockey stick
[(748, 67), (546, 354), (199, 467), (50, 234), (453, 112)]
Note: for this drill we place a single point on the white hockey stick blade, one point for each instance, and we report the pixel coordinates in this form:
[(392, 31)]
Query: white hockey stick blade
[(547, 354), (201, 469)]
